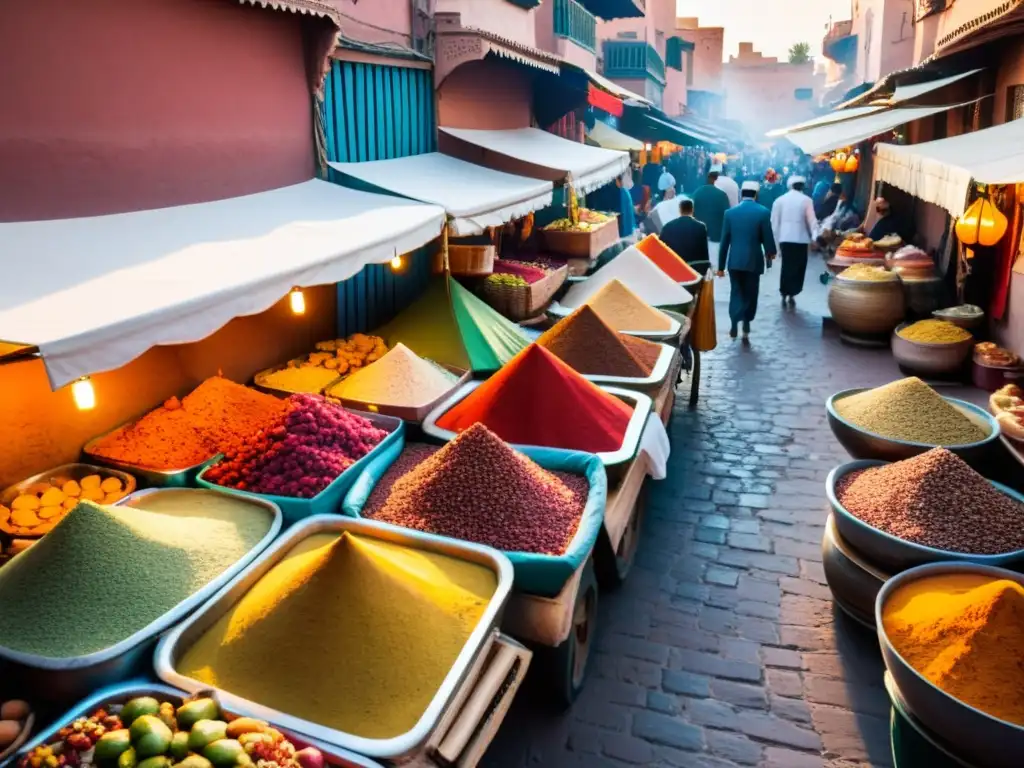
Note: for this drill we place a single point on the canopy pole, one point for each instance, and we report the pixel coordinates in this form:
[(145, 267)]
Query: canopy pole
[(573, 203), (444, 247)]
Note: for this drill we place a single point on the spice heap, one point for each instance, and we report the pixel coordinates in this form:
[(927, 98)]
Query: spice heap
[(937, 500), (344, 355), (351, 633), (934, 332), (400, 378), (908, 409), (538, 400), (638, 272), (104, 573), (304, 378), (479, 489), (624, 311), (589, 345), (529, 273), (300, 453), (667, 260), (183, 433), (964, 633), (38, 508), (869, 273), (194, 734)]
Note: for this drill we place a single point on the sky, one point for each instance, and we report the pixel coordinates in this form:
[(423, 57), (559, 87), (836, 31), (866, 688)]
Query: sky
[(772, 25)]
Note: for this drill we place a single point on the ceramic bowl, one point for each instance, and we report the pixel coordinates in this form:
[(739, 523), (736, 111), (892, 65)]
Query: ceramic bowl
[(930, 358)]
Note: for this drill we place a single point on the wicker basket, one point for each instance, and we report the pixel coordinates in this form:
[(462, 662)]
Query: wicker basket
[(586, 245), (522, 302), (467, 260)]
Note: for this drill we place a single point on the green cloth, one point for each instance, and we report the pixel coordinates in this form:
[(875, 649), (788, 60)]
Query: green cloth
[(490, 339), (709, 206)]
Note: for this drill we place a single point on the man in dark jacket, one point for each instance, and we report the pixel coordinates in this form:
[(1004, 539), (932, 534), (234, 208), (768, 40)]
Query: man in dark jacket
[(709, 207), (747, 244), (685, 235)]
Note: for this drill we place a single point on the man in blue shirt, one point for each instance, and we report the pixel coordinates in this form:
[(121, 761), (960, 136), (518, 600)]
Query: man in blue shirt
[(747, 245)]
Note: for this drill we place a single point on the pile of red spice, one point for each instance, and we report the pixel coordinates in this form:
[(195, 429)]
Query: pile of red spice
[(536, 399), (589, 345), (477, 488), (183, 433)]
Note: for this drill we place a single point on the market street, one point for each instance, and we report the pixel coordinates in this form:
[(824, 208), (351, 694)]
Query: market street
[(722, 648)]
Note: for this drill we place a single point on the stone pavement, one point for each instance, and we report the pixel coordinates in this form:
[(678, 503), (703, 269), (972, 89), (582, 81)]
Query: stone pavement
[(723, 648)]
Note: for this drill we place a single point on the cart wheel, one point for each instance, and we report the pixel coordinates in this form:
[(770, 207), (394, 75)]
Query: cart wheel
[(614, 570), (568, 662)]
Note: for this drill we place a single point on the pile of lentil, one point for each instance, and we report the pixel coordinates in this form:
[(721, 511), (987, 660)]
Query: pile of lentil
[(623, 310), (934, 332), (183, 433), (479, 489), (589, 345), (868, 272), (400, 378), (935, 499), (348, 632), (908, 409), (104, 573)]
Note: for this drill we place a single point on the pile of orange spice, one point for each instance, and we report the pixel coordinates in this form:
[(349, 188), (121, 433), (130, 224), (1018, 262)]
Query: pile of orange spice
[(183, 433)]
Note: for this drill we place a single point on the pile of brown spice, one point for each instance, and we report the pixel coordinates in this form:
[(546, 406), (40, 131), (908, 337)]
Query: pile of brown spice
[(589, 345), (183, 433), (937, 500)]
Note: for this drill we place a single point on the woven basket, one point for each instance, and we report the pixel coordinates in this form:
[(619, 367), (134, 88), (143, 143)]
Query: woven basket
[(469, 260), (586, 245), (521, 302)]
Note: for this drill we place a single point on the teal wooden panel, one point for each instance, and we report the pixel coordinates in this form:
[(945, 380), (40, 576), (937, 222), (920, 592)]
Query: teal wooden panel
[(376, 112)]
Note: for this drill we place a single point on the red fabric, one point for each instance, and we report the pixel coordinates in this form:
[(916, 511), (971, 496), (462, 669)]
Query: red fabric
[(602, 100), (536, 399), (1006, 254)]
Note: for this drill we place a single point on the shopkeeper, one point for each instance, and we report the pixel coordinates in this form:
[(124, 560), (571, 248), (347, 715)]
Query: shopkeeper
[(889, 223)]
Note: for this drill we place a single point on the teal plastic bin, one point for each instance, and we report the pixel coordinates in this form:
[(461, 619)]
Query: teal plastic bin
[(329, 500), (534, 574)]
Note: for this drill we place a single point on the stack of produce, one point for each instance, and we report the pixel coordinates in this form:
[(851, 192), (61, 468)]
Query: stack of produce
[(538, 400), (934, 332), (858, 246), (667, 260), (624, 311), (184, 433), (935, 499), (13, 716), (518, 273), (400, 378), (592, 347), (867, 272), (964, 633), (479, 489), (347, 632), (1007, 403), (639, 274), (36, 510), (989, 354), (149, 733), (910, 410), (911, 263), (589, 220), (344, 355), (300, 453), (104, 573)]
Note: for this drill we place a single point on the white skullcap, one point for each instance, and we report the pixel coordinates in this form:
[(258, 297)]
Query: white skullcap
[(666, 181), (795, 180), (751, 186), (716, 168)]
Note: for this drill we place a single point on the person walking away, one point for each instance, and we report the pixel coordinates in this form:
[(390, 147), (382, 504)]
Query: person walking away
[(709, 207), (828, 205), (727, 185), (793, 225), (664, 212), (686, 236), (747, 246)]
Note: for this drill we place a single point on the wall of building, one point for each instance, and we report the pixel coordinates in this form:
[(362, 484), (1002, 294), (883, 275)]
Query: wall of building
[(123, 105), (709, 47), (380, 21), (547, 40), (885, 37), (490, 93), (930, 30), (1010, 73), (760, 91), (498, 16), (674, 100)]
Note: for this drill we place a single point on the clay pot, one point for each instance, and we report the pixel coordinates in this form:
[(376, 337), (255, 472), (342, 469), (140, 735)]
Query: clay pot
[(866, 307)]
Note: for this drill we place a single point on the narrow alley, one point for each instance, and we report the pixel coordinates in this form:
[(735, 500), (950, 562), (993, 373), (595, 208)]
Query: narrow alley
[(723, 647)]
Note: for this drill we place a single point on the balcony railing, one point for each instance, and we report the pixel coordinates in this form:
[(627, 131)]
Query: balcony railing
[(632, 59), (576, 23)]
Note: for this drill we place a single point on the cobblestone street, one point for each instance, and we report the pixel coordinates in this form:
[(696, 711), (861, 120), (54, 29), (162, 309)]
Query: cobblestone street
[(723, 648)]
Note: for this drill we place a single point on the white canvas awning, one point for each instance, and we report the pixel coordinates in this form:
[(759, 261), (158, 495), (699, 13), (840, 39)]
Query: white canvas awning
[(536, 153), (831, 136), (605, 136), (941, 171), (473, 196), (909, 92), (94, 293), (826, 119)]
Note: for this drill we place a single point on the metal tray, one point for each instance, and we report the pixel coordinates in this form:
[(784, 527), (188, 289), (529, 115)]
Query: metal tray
[(147, 476), (413, 414), (123, 692), (66, 679), (650, 383), (558, 311), (173, 644)]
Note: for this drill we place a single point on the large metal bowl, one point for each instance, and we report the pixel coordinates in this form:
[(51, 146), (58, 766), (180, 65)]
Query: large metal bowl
[(976, 736), (861, 444), (891, 553), (929, 358), (854, 581)]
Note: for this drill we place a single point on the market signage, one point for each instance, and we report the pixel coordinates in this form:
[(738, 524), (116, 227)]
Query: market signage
[(925, 8)]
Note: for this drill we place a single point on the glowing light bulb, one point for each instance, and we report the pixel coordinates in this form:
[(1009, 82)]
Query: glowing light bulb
[(84, 395), (647, 146), (298, 301), (396, 263)]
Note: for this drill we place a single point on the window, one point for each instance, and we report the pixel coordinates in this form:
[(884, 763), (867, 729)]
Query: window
[(627, 36), (803, 94), (689, 68), (1014, 102)]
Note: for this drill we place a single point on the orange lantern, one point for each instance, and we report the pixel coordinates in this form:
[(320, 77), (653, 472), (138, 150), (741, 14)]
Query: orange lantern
[(838, 162), (852, 164), (981, 224)]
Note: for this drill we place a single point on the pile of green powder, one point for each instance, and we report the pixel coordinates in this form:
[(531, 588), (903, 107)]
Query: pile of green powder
[(103, 573), (909, 410)]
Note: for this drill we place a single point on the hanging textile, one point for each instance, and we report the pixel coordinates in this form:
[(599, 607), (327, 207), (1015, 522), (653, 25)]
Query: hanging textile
[(704, 335), (1006, 255)]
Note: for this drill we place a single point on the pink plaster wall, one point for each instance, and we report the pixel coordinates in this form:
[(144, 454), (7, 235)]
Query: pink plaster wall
[(490, 93), (376, 21), (709, 46), (674, 99), (885, 37), (547, 40), (498, 16), (1009, 74), (929, 31), (123, 105), (760, 91)]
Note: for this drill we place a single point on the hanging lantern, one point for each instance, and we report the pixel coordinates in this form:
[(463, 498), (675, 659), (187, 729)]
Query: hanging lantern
[(852, 164), (981, 224), (838, 162)]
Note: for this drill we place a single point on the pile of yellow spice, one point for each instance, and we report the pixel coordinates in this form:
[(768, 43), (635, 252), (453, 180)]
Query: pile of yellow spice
[(867, 272), (934, 332)]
